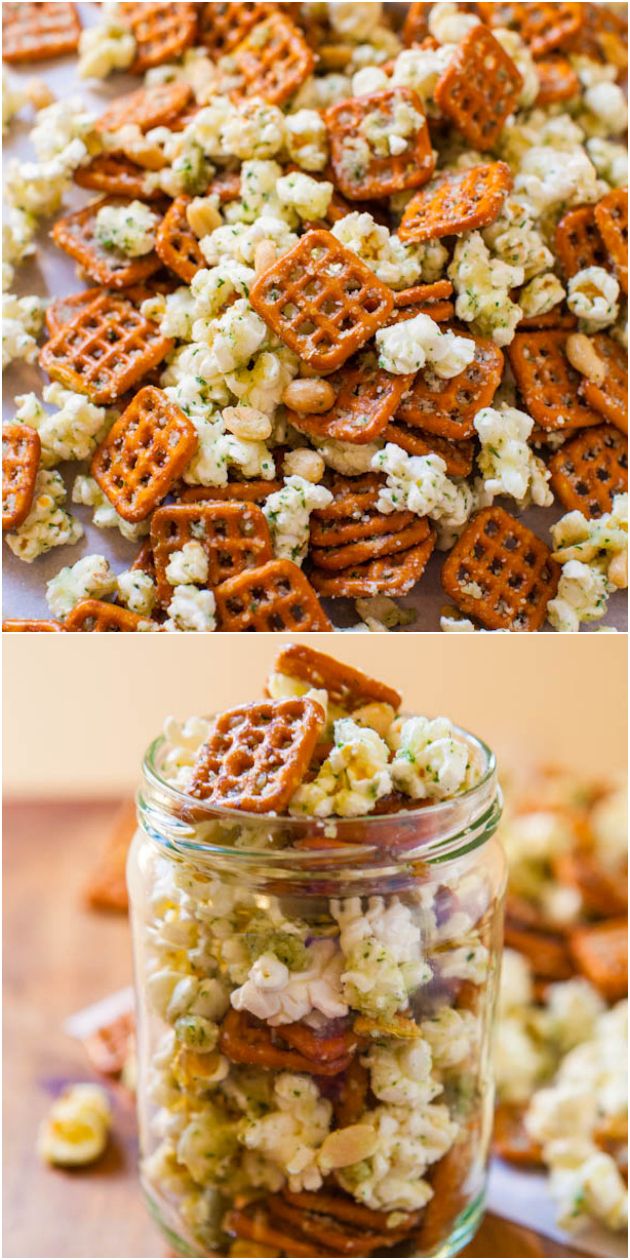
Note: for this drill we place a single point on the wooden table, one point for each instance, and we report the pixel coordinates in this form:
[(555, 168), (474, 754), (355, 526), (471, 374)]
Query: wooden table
[(60, 957)]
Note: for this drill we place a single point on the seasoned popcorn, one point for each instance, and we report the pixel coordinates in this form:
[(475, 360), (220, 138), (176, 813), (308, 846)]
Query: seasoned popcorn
[(90, 578), (71, 432), (128, 230), (506, 462), (22, 320), (288, 512), (48, 524)]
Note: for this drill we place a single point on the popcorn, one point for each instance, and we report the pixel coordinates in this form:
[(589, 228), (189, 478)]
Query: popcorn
[(289, 1135), (506, 462), (396, 263), (593, 297), (22, 320), (76, 1130), (409, 345), (47, 524), (90, 578), (188, 566), (483, 286), (71, 432), (309, 197), (191, 609), (128, 229), (307, 139), (87, 491), (351, 779), (105, 47), (136, 589), (383, 954), (430, 761), (281, 996), (418, 483), (288, 512)]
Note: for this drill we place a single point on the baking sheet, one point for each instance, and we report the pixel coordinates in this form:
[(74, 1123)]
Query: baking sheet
[(52, 273)]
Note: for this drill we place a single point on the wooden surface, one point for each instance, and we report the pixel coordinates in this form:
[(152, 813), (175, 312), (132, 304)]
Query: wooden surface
[(60, 957)]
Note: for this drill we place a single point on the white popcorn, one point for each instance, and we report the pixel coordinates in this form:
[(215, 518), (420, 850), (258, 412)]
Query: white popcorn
[(407, 346), (76, 1129), (188, 566), (309, 197), (191, 609), (18, 230), (593, 297), (288, 512), (254, 130), (281, 996), (418, 483), (307, 139), (582, 596), (608, 103), (483, 286), (289, 1136), (105, 47), (22, 320), (87, 491), (541, 295), (352, 778), (37, 188), (448, 24), (409, 1141), (90, 578), (128, 229), (383, 952), (402, 1074), (506, 462), (47, 524), (515, 240), (70, 432), (136, 589), (396, 263), (431, 760), (232, 338), (59, 124)]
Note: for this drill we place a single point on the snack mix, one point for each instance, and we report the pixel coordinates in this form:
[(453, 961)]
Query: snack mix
[(316, 895), (361, 281)]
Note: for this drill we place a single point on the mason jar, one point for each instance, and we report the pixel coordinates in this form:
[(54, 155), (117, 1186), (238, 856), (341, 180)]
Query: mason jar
[(315, 1001)]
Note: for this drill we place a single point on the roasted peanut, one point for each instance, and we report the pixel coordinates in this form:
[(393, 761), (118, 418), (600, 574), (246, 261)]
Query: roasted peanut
[(202, 216), (247, 423), (583, 357), (309, 397), (304, 463)]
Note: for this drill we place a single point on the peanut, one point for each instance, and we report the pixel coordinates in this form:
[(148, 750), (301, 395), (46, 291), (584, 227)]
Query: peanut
[(584, 358), (348, 1146), (304, 463), (618, 571), (377, 715), (335, 56), (264, 256), (247, 423), (309, 397), (38, 93), (202, 216)]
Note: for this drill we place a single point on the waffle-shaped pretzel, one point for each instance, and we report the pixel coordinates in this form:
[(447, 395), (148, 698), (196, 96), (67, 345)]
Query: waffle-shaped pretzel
[(21, 449), (255, 491), (449, 407), (28, 625), (588, 471), (257, 755), (603, 35), (367, 398), (276, 597), (610, 398), (351, 496), (116, 175), (340, 1207), (106, 348), (372, 523), (458, 456), (602, 892), (500, 572), (364, 550), (558, 81), (97, 615), (147, 107), (423, 299), (176, 243), (338, 1238), (547, 953), (162, 32), (144, 453), (558, 319), (108, 1047), (578, 242), (223, 26), (457, 201), (350, 688), (511, 1140), (36, 32), (106, 887), (600, 952), (234, 536), (321, 300), (416, 27), (392, 575), (62, 309), (75, 234), (547, 382), (386, 174), (273, 60), (244, 1039), (611, 217), (226, 185), (479, 88), (253, 1225), (449, 1178), (542, 27)]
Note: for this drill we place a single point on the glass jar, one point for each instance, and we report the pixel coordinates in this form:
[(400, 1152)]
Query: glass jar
[(315, 1001)]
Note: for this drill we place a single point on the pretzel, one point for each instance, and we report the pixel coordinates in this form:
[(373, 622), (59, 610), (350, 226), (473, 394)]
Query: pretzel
[(252, 1223), (611, 398), (611, 217), (321, 300), (423, 299), (21, 449), (362, 551), (339, 1239), (176, 243), (143, 454), (600, 952), (457, 201), (559, 320), (340, 1207), (603, 35), (324, 1045), (62, 309), (147, 107), (117, 175), (449, 407), (351, 1099), (558, 81), (36, 32), (547, 381), (350, 688), (511, 1140), (547, 954), (449, 1179), (255, 491), (75, 234), (393, 575), (162, 32), (416, 26), (273, 60), (400, 1026), (276, 597), (107, 347), (578, 242), (335, 532), (244, 1039), (383, 175), (479, 88), (352, 497), (602, 893), (108, 1047), (234, 536), (223, 26), (226, 185), (106, 888), (542, 27), (366, 398), (97, 615), (21, 625), (458, 456), (501, 573), (588, 471)]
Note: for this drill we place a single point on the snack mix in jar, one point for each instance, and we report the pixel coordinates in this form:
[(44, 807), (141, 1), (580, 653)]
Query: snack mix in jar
[(316, 891)]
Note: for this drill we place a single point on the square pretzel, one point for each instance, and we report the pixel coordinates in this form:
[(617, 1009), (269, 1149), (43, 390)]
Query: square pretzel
[(449, 407), (388, 575), (223, 26), (21, 448), (600, 951), (254, 491), (162, 32), (176, 244), (337, 532), (557, 81), (547, 382), (501, 573), (611, 217), (458, 456), (273, 60), (257, 755), (35, 32), (578, 242), (367, 397), (26, 625), (416, 25), (107, 347), (76, 235), (589, 470), (144, 453), (276, 597), (321, 300), (147, 107), (542, 27), (364, 550), (479, 88), (610, 398), (346, 686), (116, 175), (97, 616), (457, 201), (363, 167), (234, 536)]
